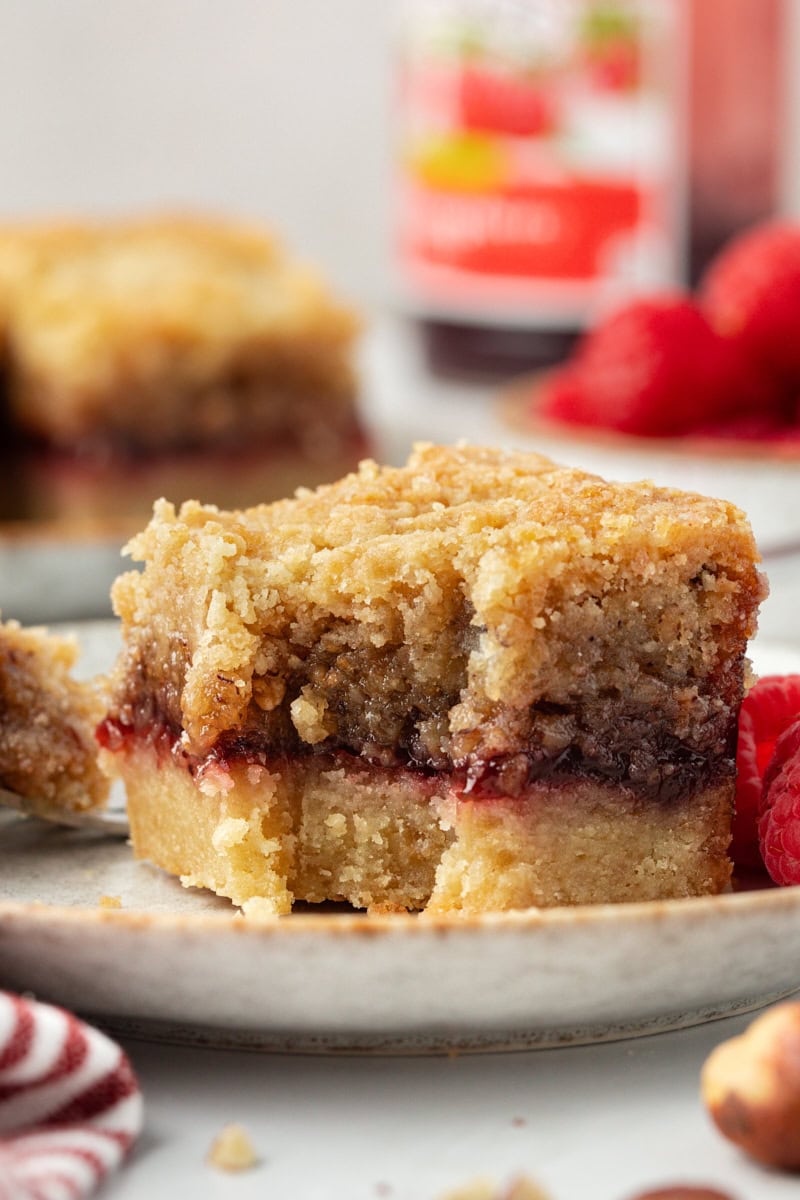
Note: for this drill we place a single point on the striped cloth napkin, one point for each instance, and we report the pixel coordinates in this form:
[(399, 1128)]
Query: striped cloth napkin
[(70, 1104)]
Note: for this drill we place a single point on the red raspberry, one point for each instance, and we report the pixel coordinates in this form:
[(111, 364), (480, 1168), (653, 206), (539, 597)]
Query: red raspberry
[(779, 823), (752, 292), (768, 710), (566, 396), (655, 368)]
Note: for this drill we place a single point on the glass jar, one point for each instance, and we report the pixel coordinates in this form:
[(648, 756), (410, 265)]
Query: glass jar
[(557, 156)]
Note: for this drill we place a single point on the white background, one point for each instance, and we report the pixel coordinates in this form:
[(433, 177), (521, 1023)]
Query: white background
[(276, 109)]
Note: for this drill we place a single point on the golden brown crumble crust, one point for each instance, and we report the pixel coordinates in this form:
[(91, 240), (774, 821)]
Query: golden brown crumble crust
[(159, 330)]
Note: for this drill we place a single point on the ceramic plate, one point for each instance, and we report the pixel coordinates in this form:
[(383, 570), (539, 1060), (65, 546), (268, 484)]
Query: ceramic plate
[(180, 964)]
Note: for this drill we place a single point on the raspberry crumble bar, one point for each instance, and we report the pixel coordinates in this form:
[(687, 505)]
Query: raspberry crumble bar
[(174, 354), (479, 681), (48, 754)]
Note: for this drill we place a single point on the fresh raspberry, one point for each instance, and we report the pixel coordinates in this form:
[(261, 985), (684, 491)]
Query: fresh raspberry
[(767, 711), (779, 823), (654, 368), (752, 293), (566, 396)]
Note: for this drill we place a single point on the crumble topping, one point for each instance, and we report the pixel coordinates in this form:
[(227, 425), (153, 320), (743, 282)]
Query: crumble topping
[(460, 611), (162, 331)]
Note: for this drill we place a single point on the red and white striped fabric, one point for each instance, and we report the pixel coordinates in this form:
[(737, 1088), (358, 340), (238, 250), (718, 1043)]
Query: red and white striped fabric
[(70, 1105)]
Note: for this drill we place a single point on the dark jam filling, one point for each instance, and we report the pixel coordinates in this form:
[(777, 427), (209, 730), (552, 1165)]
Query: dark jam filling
[(675, 772), (664, 771)]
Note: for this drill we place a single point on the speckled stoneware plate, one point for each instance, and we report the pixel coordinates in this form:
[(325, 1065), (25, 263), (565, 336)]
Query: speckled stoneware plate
[(181, 965)]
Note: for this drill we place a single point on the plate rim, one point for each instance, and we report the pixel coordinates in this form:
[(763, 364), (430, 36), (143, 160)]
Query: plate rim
[(776, 900)]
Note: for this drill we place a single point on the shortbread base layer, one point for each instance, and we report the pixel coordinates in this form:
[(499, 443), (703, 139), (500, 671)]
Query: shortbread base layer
[(316, 830)]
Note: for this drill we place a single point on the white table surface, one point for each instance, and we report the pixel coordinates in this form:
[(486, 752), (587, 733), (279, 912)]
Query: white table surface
[(587, 1123)]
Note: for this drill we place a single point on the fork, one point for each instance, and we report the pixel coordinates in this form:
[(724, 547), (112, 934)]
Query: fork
[(112, 824)]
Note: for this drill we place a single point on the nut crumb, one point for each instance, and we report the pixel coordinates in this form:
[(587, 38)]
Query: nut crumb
[(232, 1150), (110, 902), (518, 1122), (518, 1188), (258, 908)]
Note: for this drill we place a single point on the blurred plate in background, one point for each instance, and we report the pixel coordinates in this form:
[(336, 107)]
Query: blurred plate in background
[(56, 572)]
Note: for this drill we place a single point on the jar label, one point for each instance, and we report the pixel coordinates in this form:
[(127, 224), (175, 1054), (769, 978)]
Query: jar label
[(541, 154)]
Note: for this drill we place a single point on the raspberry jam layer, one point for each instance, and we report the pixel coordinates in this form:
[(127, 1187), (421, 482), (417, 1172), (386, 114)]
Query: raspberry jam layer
[(666, 771)]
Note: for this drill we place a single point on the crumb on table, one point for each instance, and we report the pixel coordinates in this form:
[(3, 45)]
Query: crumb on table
[(110, 902), (232, 1150)]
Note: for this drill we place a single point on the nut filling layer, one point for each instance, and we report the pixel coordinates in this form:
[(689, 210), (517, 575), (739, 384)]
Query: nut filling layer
[(609, 740)]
